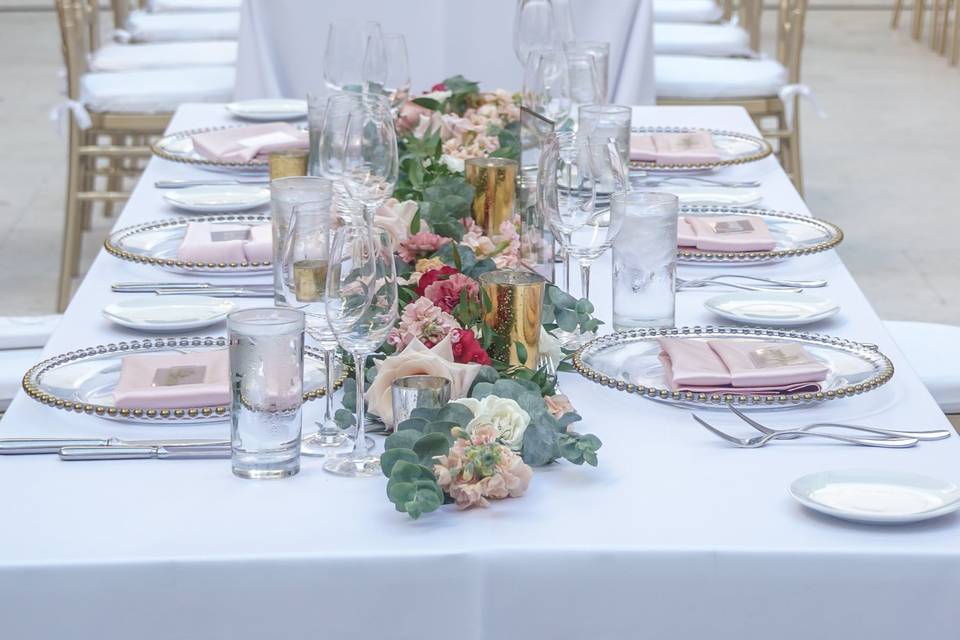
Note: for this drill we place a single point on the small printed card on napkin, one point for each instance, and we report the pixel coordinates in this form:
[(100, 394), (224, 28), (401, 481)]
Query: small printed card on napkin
[(206, 242), (159, 381), (725, 233)]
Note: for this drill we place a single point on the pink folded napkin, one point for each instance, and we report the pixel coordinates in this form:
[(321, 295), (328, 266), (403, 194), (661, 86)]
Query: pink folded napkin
[(686, 236), (243, 144), (671, 148), (727, 233), (152, 381), (740, 366), (207, 242)]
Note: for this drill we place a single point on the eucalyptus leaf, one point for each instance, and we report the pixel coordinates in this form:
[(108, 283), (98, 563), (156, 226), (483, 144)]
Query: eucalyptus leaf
[(539, 444), (402, 439), (456, 413), (390, 457), (430, 446), (417, 424)]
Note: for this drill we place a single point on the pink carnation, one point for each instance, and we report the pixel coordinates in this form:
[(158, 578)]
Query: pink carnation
[(419, 245), (476, 469), (422, 320), (446, 293)]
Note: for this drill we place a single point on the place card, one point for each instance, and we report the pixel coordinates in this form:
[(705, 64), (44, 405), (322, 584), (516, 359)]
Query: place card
[(732, 226), (174, 376), (229, 235), (779, 356)]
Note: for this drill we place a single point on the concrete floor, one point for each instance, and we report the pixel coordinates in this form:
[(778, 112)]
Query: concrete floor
[(883, 165)]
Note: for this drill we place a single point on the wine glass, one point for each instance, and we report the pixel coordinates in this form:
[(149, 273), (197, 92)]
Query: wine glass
[(345, 58), (303, 264), (361, 309), (534, 28), (358, 150), (397, 84), (547, 84), (584, 77)]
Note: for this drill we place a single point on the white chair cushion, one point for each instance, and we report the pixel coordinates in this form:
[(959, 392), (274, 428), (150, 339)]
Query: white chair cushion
[(143, 26), (20, 332), (701, 39), (159, 55), (13, 364), (704, 78), (158, 6), (686, 11), (933, 350), (157, 90)]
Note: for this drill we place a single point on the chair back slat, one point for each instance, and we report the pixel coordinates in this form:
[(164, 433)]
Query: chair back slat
[(792, 18), (74, 41)]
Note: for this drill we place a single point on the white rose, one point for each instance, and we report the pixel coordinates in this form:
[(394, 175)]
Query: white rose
[(439, 96), (549, 346), (454, 164), (504, 414)]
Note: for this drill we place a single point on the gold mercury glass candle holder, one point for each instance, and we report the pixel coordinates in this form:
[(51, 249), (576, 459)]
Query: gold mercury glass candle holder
[(516, 300), (494, 182), (287, 164)]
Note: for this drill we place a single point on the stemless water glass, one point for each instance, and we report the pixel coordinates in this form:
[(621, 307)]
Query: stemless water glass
[(266, 379), (361, 309), (358, 150), (345, 56), (576, 51), (606, 121), (316, 109), (397, 85), (304, 261), (534, 28), (285, 194), (645, 260), (547, 84)]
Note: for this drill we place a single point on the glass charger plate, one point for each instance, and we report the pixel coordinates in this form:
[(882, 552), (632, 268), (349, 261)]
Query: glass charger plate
[(157, 242), (734, 148), (628, 362), (796, 235), (83, 381), (178, 147)]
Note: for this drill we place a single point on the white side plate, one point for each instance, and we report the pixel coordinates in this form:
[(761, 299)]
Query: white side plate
[(772, 309), (168, 313), (876, 496), (218, 199), (268, 109)]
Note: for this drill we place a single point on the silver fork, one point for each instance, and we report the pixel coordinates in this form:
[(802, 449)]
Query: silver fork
[(935, 434), (645, 181), (759, 441), (776, 282), (700, 284)]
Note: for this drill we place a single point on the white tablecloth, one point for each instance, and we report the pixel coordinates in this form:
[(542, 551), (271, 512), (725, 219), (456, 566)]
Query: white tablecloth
[(675, 535), (282, 42)]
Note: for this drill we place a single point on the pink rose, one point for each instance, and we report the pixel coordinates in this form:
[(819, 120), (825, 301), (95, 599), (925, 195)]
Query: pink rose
[(446, 293), (558, 405), (419, 245), (409, 116)]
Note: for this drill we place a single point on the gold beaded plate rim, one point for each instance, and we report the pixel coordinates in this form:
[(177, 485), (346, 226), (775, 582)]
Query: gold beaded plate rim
[(180, 415), (113, 245), (882, 366), (693, 256), (158, 150), (764, 149)]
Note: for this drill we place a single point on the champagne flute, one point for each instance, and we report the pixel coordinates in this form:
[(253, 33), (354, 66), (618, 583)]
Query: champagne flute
[(534, 28), (358, 151), (397, 85), (361, 308)]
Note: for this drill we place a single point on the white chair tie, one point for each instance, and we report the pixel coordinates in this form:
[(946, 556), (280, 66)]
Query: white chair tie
[(122, 36), (787, 94), (62, 111)]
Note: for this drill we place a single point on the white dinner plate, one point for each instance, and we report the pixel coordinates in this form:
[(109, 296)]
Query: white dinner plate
[(773, 308), (168, 313), (219, 198), (268, 109), (876, 496)]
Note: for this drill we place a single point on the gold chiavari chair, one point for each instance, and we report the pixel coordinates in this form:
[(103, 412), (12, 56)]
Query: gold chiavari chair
[(692, 78)]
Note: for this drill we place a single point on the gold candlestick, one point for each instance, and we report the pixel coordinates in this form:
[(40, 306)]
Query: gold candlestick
[(286, 164), (516, 300), (494, 191)]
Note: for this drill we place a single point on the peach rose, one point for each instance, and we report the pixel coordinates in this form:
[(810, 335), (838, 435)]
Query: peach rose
[(558, 405), (395, 218)]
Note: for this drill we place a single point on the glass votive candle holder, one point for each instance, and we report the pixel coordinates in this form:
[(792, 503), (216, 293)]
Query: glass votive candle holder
[(286, 164), (598, 123), (418, 392), (494, 182), (516, 303)]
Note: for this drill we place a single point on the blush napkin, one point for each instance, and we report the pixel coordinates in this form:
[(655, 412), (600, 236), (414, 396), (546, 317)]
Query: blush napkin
[(155, 381), (206, 242), (690, 147), (243, 144), (725, 233), (740, 366)]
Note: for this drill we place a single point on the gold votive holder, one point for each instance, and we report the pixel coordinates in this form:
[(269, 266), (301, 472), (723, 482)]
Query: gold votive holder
[(288, 164), (515, 302), (494, 182)]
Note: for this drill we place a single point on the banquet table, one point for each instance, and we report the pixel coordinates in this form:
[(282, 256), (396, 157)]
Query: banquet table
[(474, 39), (675, 535)]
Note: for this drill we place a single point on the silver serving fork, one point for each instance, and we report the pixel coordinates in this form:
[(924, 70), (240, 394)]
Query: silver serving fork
[(759, 441), (936, 434)]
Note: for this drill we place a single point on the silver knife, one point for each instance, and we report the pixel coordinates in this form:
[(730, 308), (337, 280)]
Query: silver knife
[(142, 287), (19, 446), (237, 292), (165, 452), (180, 184)]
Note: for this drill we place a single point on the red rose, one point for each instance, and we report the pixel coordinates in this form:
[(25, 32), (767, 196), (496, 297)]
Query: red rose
[(438, 87), (429, 277), (466, 348)]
